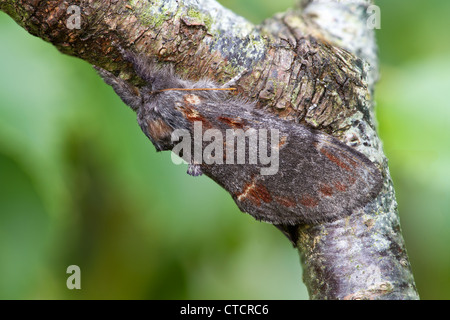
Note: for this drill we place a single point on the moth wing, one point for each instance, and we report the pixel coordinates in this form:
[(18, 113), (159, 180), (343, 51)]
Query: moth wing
[(319, 179)]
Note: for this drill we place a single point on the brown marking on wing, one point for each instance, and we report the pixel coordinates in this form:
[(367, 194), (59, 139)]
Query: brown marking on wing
[(158, 129), (326, 190), (309, 201), (335, 159), (192, 99), (282, 141), (261, 192), (193, 115), (255, 192), (246, 192), (232, 122), (340, 187), (286, 202)]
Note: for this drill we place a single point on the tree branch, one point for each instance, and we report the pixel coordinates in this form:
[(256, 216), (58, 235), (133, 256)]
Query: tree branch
[(304, 67)]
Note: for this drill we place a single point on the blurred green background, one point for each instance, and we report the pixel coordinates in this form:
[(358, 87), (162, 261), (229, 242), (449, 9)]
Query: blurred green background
[(80, 184)]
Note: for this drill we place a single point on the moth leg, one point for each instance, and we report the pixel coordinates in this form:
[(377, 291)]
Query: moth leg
[(194, 170), (129, 94)]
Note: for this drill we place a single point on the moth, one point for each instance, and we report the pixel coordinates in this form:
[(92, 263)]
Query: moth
[(311, 177)]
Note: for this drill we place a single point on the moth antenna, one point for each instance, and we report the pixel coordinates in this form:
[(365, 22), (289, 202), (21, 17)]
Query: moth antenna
[(195, 89)]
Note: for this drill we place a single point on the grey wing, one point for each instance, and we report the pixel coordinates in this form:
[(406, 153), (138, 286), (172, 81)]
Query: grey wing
[(319, 179)]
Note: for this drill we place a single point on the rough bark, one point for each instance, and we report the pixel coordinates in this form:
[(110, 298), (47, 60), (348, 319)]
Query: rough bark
[(304, 67)]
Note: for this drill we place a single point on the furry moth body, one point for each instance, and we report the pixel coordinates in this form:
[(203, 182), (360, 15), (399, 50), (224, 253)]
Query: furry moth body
[(319, 178)]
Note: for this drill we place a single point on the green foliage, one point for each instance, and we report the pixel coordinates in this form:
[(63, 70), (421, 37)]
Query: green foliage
[(80, 184)]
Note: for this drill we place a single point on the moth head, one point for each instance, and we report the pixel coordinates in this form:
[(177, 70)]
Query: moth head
[(157, 130), (159, 117)]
